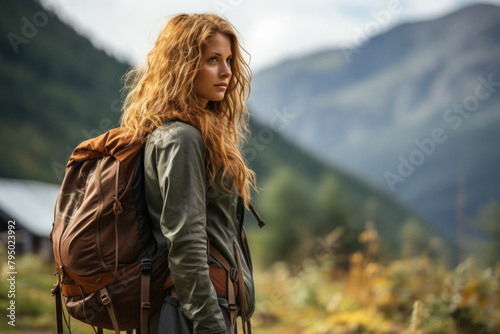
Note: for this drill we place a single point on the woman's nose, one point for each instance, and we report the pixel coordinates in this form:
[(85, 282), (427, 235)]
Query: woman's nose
[(225, 70)]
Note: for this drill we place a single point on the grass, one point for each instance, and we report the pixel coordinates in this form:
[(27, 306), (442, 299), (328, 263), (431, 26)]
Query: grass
[(411, 295)]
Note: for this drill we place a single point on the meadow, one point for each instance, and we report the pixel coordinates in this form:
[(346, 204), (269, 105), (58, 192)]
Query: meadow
[(322, 294)]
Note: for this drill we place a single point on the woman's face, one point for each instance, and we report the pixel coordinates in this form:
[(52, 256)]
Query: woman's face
[(212, 80)]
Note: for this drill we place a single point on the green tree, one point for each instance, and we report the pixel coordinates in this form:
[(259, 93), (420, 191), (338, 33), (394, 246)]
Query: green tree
[(332, 209), (286, 204), (413, 238), (487, 222)]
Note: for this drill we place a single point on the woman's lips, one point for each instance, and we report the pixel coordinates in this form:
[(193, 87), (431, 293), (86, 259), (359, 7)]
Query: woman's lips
[(221, 85)]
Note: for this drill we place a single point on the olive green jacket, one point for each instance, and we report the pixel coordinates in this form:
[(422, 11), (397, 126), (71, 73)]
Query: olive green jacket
[(185, 210)]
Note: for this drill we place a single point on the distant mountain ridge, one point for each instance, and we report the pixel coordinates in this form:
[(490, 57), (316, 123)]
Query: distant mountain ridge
[(435, 81)]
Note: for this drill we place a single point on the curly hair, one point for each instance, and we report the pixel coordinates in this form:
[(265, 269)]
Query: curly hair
[(162, 89)]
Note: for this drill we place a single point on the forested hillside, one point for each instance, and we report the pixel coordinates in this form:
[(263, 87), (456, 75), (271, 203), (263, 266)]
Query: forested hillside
[(56, 89)]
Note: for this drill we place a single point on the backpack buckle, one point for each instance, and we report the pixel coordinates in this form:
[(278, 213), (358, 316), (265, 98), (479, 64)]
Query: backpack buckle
[(233, 273), (105, 298), (146, 266), (117, 207), (55, 289)]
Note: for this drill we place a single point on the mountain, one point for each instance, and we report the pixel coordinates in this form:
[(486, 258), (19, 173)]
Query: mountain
[(415, 110), (57, 90)]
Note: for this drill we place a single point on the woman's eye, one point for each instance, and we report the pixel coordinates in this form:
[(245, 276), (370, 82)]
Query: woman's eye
[(213, 59), (229, 60)]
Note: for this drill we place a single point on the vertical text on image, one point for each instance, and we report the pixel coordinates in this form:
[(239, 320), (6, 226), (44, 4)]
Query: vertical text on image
[(11, 272)]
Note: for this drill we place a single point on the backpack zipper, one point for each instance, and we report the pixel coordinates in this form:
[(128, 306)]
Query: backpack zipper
[(99, 213)]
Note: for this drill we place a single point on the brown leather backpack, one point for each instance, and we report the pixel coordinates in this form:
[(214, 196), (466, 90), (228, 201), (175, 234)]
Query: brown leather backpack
[(109, 271)]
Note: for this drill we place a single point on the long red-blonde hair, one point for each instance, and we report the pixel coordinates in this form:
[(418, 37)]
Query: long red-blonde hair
[(162, 89)]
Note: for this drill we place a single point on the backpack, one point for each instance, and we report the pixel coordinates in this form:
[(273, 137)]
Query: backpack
[(108, 267), (110, 273)]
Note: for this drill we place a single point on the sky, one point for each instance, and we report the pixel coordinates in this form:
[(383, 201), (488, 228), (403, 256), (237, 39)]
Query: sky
[(272, 31)]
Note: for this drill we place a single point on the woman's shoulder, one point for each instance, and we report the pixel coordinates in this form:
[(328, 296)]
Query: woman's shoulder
[(176, 131)]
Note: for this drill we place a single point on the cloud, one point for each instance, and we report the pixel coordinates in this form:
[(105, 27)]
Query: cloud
[(277, 33), (272, 30)]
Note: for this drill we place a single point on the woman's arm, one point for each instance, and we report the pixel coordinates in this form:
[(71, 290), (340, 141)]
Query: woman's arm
[(179, 155)]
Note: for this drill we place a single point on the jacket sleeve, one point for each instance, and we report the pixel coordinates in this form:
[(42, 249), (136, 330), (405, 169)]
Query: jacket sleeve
[(181, 173)]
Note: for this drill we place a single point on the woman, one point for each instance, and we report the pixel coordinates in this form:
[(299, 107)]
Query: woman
[(187, 103)]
